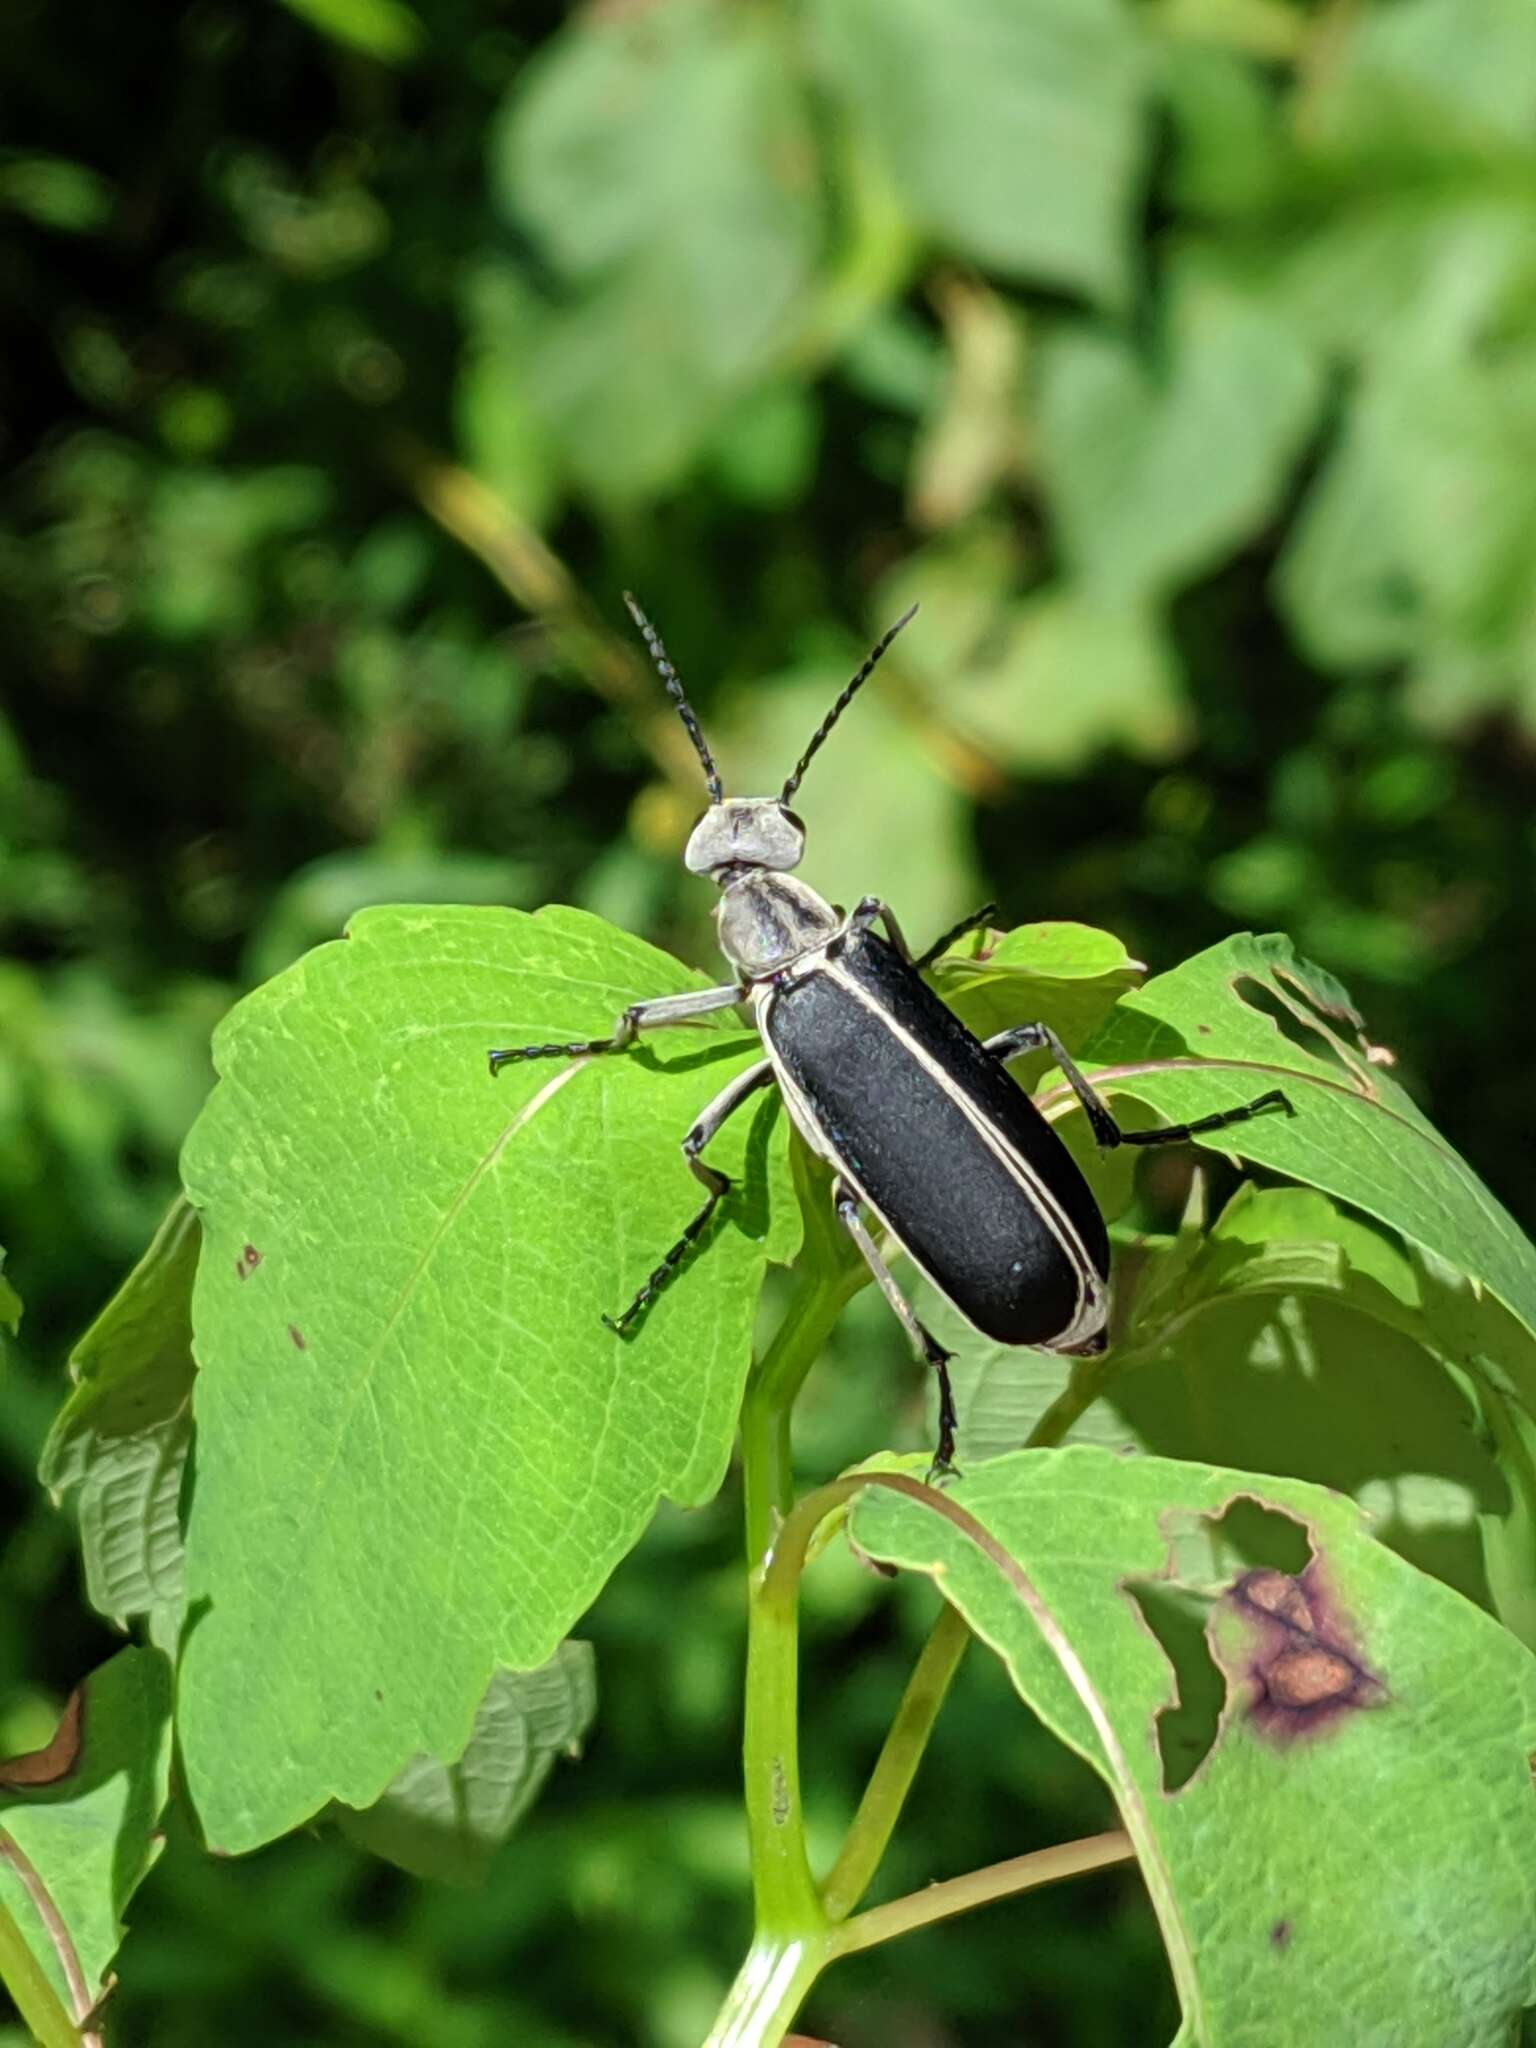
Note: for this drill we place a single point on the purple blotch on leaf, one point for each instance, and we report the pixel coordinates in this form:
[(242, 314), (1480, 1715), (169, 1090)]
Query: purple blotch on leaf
[(1306, 1672)]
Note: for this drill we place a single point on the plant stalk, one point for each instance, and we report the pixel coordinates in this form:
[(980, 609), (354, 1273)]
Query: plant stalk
[(32, 1990), (879, 1810)]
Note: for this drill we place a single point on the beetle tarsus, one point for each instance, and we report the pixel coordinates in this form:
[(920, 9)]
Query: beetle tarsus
[(1172, 1134), (943, 1466), (503, 1056)]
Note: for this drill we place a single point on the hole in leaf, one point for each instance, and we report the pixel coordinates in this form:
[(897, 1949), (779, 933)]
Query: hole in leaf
[(1186, 1731), (1208, 1556), (1293, 1019), (1262, 1536)]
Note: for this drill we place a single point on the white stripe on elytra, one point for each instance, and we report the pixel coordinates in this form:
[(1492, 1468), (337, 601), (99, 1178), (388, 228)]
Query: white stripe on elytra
[(1088, 1316)]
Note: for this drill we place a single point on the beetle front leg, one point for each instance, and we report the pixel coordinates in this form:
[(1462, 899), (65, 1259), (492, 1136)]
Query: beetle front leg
[(648, 1016), (929, 1350), (719, 1185), (1107, 1133)]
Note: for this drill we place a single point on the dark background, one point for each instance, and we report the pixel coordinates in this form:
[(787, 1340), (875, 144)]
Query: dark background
[(354, 359)]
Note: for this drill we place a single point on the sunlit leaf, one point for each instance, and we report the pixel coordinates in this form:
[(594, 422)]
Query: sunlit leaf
[(1360, 1815), (665, 160), (419, 1451), (387, 29), (1227, 399), (1247, 1016), (90, 1833), (1015, 129)]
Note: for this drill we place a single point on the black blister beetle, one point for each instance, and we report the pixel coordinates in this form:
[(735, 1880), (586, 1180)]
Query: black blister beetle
[(916, 1117)]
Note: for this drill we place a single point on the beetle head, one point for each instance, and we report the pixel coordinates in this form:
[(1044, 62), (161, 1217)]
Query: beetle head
[(740, 833), (744, 832)]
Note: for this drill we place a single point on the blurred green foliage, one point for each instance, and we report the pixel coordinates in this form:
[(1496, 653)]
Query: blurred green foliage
[(1181, 357)]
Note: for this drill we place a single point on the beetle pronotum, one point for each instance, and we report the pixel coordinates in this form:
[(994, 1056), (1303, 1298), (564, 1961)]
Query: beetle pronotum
[(918, 1119)]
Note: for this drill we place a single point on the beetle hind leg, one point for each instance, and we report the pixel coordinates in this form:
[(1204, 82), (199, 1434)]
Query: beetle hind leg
[(719, 1184), (927, 1347), (1107, 1133)]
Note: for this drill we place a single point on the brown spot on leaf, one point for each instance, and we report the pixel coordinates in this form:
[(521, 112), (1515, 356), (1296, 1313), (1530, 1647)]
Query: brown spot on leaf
[(298, 1337), (1204, 1030), (1278, 1594), (1280, 1935), (1307, 1670), (247, 1262), (1311, 1677), (58, 1756)]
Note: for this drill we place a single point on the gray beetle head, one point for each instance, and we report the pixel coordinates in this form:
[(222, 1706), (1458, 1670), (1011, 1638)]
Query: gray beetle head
[(741, 833), (744, 832)]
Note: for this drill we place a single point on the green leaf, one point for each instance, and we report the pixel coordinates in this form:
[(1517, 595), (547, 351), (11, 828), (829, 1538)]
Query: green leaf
[(419, 1452), (1015, 129), (1428, 79), (665, 161), (1040, 684), (447, 1821), (1372, 1855), (1231, 404), (1074, 674), (90, 1832), (56, 193), (386, 29), (1280, 1346), (119, 1444), (1066, 975), (1419, 534), (1249, 1015), (10, 1301)]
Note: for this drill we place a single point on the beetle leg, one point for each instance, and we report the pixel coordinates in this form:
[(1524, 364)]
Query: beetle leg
[(929, 1351), (648, 1016), (719, 1184), (1107, 1133), (966, 924), (872, 910)]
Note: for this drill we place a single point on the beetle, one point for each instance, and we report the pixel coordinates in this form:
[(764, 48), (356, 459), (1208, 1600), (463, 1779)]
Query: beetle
[(917, 1118)]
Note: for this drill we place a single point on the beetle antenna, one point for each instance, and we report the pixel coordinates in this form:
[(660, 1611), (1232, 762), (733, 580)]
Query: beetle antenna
[(674, 685), (844, 701)]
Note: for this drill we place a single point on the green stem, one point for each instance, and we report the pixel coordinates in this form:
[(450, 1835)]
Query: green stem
[(1083, 1388), (768, 1479), (770, 1989), (799, 1930), (981, 1887), (28, 1982), (896, 1766), (790, 1939)]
